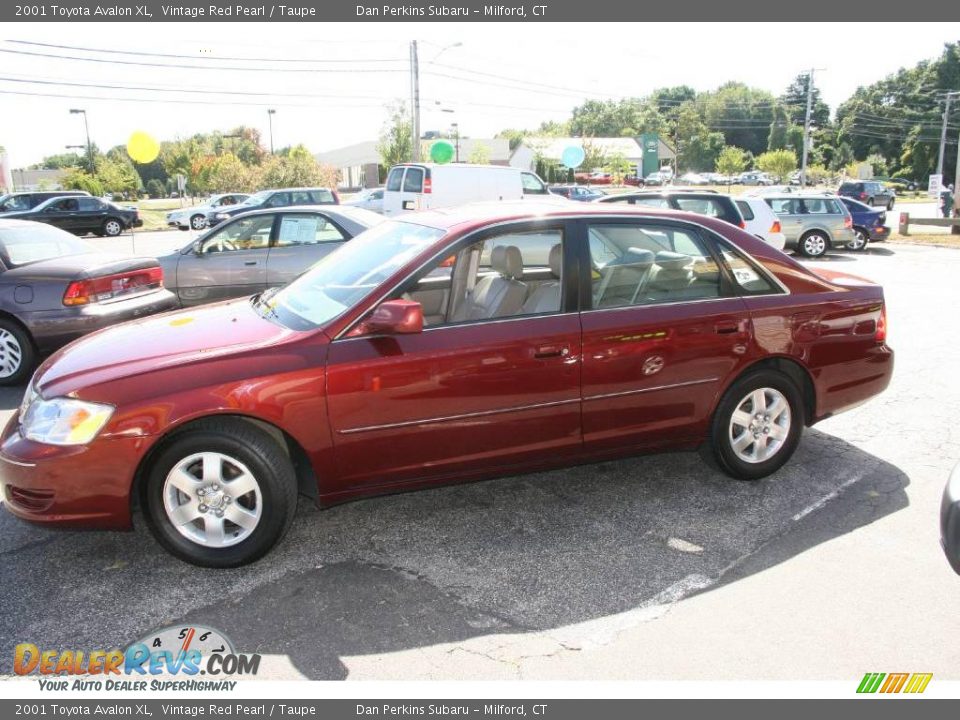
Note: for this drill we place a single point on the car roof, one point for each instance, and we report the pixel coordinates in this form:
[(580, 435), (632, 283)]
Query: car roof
[(289, 189), (465, 217)]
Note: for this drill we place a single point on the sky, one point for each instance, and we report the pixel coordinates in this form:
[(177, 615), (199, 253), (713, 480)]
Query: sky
[(329, 82)]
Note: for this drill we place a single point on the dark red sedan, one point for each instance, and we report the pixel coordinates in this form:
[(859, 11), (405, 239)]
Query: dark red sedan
[(447, 346)]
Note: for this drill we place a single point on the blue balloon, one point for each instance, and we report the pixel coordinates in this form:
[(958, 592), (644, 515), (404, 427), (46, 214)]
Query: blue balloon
[(573, 156)]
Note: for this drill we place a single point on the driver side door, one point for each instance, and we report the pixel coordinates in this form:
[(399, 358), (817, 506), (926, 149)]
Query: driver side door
[(230, 262)]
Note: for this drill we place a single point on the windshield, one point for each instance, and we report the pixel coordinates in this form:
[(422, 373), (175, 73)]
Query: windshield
[(257, 198), (22, 245), (346, 276)]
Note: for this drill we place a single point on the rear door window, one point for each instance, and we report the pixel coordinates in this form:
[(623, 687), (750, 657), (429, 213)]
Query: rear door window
[(413, 182), (280, 199), (296, 230), (321, 196), (784, 206), (395, 179), (821, 206)]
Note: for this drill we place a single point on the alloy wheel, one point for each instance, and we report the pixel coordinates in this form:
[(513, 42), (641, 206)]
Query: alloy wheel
[(11, 354), (198, 222), (859, 242), (212, 499), (760, 425), (112, 228), (814, 245)]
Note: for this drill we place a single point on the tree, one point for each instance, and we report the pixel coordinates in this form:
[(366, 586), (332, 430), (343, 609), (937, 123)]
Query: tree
[(479, 155), (777, 139), (395, 144), (77, 179), (742, 113), (229, 173), (617, 165), (606, 118), (879, 164), (779, 163), (731, 161), (794, 99), (298, 168), (595, 157), (61, 161), (155, 188)]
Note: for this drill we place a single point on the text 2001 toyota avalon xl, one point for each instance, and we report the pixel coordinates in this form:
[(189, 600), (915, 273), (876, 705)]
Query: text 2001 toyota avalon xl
[(448, 346)]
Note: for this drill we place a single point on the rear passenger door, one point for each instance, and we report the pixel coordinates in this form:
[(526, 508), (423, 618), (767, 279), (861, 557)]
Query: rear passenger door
[(302, 239), (663, 327)]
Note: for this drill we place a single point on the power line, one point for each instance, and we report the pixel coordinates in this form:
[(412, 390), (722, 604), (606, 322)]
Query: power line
[(185, 102), (138, 53)]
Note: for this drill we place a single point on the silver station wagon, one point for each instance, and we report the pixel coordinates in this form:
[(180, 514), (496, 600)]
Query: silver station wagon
[(812, 224)]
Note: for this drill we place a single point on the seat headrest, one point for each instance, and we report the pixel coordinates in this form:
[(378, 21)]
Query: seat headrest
[(673, 261), (555, 259), (507, 260), (633, 256)]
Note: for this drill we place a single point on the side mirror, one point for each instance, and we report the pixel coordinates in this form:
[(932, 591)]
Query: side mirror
[(393, 317)]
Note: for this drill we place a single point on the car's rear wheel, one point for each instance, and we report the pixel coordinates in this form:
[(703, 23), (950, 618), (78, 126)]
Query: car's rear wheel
[(861, 238), (198, 222), (813, 244), (890, 204), (757, 425), (870, 201), (17, 354), (220, 493), (112, 227)]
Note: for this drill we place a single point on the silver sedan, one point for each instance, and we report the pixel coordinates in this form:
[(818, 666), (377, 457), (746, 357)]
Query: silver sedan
[(258, 250)]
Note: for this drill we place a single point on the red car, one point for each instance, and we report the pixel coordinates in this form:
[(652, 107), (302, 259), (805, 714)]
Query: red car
[(448, 346)]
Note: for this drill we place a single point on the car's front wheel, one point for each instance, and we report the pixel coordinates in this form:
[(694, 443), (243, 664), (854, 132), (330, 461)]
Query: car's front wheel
[(757, 425), (220, 493), (198, 222), (112, 227), (813, 244), (17, 354), (860, 240)]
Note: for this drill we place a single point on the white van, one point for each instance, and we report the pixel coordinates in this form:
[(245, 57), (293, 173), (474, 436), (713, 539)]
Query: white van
[(421, 186)]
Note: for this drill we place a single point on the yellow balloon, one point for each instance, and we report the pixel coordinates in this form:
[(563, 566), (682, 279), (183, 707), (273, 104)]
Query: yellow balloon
[(142, 148)]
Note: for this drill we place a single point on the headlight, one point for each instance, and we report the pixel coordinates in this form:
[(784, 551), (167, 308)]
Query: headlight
[(63, 421), (221, 216)]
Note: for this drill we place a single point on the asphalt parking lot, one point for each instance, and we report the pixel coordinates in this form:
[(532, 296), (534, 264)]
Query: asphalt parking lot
[(649, 568)]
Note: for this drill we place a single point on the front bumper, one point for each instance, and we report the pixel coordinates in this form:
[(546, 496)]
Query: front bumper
[(53, 329), (85, 486), (950, 520)]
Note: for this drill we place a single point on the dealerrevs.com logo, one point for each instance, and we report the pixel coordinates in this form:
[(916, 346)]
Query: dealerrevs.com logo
[(888, 683), (187, 651)]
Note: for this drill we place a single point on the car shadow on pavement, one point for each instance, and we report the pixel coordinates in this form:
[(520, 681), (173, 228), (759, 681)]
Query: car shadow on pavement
[(514, 555)]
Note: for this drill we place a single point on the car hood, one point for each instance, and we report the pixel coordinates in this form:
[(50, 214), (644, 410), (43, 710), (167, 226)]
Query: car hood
[(78, 267), (190, 210), (157, 342)]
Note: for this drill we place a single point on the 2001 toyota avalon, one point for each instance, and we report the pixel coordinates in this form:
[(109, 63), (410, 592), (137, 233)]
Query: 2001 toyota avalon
[(448, 346)]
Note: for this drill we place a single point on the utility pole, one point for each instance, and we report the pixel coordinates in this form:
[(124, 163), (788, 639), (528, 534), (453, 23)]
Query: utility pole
[(270, 113), (806, 130), (943, 133), (414, 102), (86, 127)]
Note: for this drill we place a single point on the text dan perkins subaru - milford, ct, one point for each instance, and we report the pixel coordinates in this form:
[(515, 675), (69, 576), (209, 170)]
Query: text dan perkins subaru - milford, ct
[(448, 346), (405, 11)]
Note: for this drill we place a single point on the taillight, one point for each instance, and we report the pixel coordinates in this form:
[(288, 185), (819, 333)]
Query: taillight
[(881, 335), (863, 196), (743, 225), (848, 222), (107, 287), (776, 227), (427, 184)]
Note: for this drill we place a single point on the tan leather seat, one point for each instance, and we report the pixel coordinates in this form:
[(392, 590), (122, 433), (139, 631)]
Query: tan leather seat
[(501, 294), (622, 280), (546, 297)]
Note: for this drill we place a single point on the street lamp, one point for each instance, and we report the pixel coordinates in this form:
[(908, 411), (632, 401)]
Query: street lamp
[(456, 134), (270, 113), (86, 127)]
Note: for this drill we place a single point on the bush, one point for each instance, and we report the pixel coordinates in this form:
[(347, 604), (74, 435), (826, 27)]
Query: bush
[(155, 188)]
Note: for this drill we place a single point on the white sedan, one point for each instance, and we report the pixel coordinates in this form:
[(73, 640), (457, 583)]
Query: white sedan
[(195, 218), (761, 221)]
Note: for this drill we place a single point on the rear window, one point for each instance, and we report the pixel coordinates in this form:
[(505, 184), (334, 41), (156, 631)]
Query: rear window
[(822, 206), (23, 245), (718, 208), (395, 179), (851, 187), (322, 196), (745, 210)]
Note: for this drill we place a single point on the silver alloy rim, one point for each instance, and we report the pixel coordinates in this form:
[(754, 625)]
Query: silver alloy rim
[(11, 354), (859, 242), (760, 425), (198, 222), (113, 227), (212, 499), (815, 245)]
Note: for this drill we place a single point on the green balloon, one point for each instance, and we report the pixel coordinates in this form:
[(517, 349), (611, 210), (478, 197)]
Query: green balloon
[(441, 152)]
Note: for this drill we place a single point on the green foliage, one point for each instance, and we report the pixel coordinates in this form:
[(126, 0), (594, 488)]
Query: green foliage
[(61, 161), (595, 157), (155, 188), (817, 175), (778, 163), (395, 144), (77, 179), (795, 101), (479, 155), (879, 165), (743, 113), (731, 161), (777, 139), (617, 165)]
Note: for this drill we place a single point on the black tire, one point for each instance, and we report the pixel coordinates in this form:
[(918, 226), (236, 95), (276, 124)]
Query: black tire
[(245, 443), (112, 227), (860, 244), (198, 222), (722, 426), (870, 201), (813, 244), (18, 356), (891, 203)]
